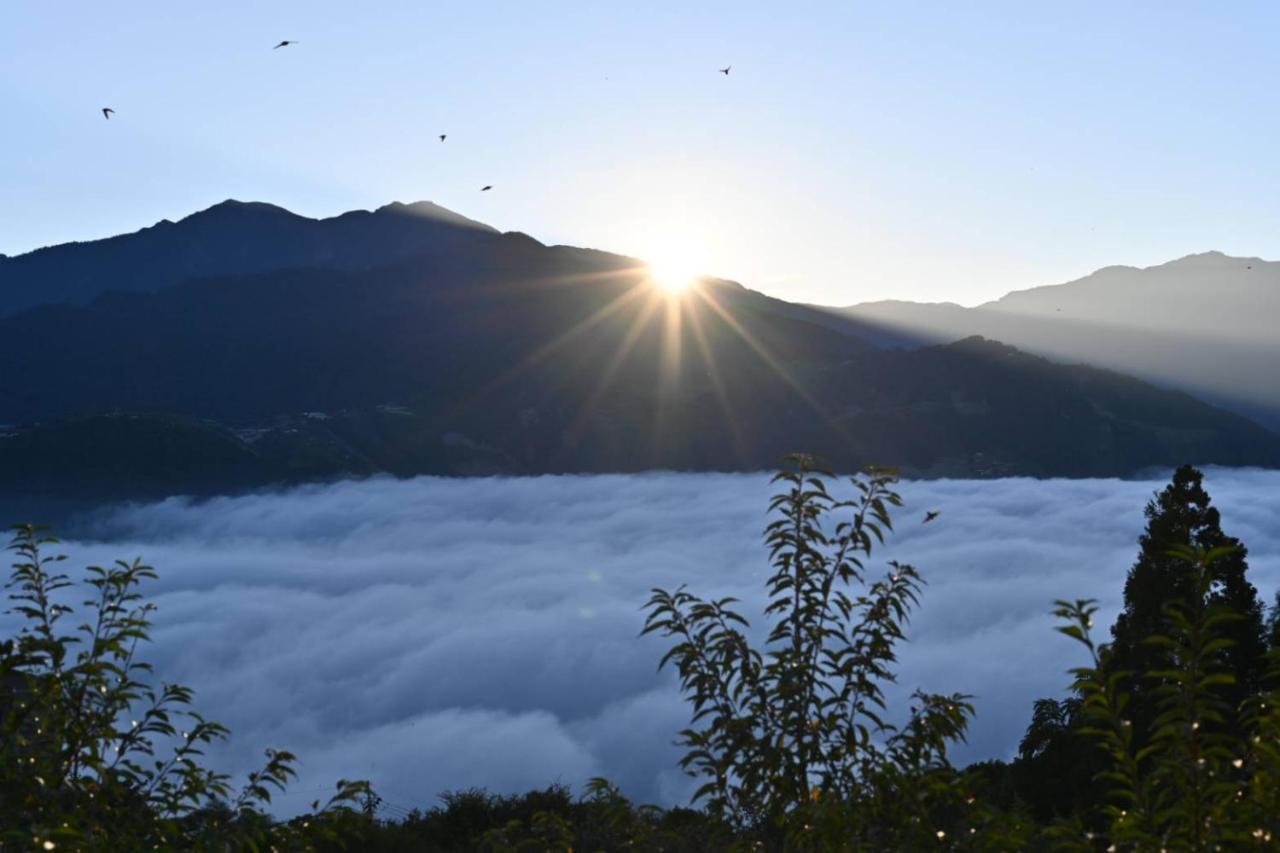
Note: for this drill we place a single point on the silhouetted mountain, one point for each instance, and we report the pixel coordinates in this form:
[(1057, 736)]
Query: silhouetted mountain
[(480, 352), (230, 238), (1204, 324)]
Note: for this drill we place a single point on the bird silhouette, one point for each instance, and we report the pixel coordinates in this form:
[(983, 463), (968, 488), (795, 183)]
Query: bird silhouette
[(284, 43), (106, 112), (486, 188), (442, 136), (725, 71), (931, 515)]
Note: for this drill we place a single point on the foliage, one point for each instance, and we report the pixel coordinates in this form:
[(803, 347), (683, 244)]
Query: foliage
[(1182, 516), (1273, 624), (795, 735), (549, 819), (1190, 781), (1052, 777), (92, 755), (792, 739)]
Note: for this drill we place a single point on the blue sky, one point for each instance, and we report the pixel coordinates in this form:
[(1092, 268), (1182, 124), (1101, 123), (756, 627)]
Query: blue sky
[(857, 151)]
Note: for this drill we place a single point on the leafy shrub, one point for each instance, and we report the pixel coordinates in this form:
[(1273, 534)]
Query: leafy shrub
[(550, 819), (1195, 779), (793, 738), (92, 755)]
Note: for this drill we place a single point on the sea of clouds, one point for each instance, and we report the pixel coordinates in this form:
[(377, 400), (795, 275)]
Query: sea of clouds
[(435, 634)]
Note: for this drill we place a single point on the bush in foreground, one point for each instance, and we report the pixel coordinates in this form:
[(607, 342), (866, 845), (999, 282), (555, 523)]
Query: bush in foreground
[(792, 739), (94, 756)]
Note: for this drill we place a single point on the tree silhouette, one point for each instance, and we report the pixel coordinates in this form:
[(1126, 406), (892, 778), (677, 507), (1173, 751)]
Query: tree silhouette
[(1181, 517), (1273, 624), (795, 735)]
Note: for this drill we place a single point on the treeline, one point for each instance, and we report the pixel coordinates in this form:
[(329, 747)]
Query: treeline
[(1166, 738)]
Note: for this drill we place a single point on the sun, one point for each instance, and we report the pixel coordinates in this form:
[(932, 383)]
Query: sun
[(674, 267), (673, 278)]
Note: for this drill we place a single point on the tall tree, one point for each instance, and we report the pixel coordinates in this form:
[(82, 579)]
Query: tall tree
[(1053, 776), (1273, 624), (1181, 515)]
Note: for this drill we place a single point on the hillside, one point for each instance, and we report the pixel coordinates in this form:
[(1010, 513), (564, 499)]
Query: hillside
[(480, 352), (230, 238), (1202, 324)]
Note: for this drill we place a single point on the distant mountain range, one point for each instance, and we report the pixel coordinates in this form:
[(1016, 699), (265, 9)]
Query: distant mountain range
[(245, 345), (1205, 324), (231, 238)]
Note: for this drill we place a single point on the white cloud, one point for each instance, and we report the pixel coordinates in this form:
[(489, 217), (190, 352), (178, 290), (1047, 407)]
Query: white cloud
[(432, 634)]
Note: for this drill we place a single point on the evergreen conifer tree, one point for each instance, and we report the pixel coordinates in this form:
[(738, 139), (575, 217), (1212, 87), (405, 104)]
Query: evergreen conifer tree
[(1182, 515), (1273, 624)]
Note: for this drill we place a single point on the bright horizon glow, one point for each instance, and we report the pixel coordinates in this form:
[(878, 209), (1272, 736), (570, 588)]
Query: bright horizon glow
[(920, 151), (674, 267), (672, 279)]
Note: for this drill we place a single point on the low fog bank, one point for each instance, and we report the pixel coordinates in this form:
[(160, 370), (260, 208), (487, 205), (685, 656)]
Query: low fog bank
[(433, 634)]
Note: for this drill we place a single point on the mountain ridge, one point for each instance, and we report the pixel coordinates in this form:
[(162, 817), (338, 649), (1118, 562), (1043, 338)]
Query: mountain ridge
[(1202, 323), (227, 238), (407, 341)]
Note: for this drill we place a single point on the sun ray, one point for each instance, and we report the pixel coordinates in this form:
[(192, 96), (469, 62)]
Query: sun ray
[(671, 343), (674, 264), (668, 369), (759, 349), (560, 281), (628, 342), (717, 383), (549, 349), (690, 312)]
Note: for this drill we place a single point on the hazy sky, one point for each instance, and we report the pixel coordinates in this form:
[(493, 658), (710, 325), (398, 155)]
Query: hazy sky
[(856, 151)]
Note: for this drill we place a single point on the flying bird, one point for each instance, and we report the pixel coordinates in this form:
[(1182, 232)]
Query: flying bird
[(284, 43), (725, 71), (486, 188), (106, 112), (442, 136), (931, 515)]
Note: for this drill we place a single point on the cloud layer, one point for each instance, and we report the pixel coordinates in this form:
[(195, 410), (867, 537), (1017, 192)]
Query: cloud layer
[(434, 634)]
